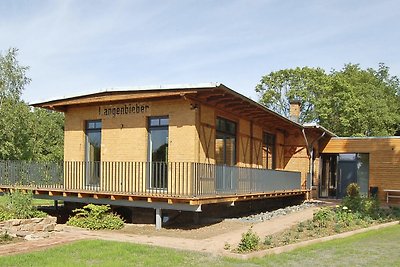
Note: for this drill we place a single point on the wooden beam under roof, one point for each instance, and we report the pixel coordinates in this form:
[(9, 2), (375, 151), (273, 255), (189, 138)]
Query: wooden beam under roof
[(106, 97)]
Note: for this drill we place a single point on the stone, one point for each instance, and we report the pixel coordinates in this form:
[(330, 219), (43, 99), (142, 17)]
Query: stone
[(15, 222), (36, 220), (59, 228), (49, 220), (37, 236), (21, 233), (50, 227), (38, 227)]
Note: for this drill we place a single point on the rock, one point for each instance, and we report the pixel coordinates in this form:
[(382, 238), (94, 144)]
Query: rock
[(50, 227), (21, 233), (37, 220), (49, 220), (263, 216), (59, 228), (37, 236), (15, 222)]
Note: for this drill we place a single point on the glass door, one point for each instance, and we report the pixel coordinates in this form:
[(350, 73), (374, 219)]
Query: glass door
[(158, 152), (93, 153), (225, 155)]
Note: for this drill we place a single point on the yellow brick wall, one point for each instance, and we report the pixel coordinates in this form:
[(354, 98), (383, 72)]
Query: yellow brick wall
[(125, 137)]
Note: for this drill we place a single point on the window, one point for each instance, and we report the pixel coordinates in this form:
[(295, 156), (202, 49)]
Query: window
[(269, 158), (93, 152), (225, 143), (158, 152)]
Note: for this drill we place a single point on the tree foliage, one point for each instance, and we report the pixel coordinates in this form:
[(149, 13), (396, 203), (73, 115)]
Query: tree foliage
[(350, 102), (25, 133)]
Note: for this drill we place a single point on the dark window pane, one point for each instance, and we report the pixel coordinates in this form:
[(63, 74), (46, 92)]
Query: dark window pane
[(164, 121), (225, 143), (154, 122), (93, 153), (93, 125), (268, 153)]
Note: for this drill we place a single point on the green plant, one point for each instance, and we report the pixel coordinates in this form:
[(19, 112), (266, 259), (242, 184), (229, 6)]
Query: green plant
[(353, 190), (19, 205), (227, 246), (95, 217), (300, 227), (5, 214), (249, 242), (371, 207), (267, 240), (323, 216), (5, 237)]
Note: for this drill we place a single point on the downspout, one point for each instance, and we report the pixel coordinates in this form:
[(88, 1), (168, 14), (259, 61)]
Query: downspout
[(310, 150)]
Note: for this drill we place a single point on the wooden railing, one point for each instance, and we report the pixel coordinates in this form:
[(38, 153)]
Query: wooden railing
[(175, 179)]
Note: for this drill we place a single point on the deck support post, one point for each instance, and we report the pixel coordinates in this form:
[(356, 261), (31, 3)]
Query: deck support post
[(158, 218), (196, 218), (56, 204)]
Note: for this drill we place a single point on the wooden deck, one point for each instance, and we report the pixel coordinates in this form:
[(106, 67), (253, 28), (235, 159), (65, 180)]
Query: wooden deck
[(147, 201)]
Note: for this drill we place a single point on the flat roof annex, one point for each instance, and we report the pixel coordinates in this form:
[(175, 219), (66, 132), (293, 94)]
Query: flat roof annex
[(213, 94)]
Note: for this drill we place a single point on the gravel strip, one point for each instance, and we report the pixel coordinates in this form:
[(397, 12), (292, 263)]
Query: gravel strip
[(268, 215)]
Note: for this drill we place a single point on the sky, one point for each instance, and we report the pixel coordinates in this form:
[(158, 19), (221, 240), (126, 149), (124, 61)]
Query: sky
[(79, 46)]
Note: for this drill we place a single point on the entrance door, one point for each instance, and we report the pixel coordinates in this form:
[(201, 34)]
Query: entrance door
[(347, 173), (158, 152), (328, 181)]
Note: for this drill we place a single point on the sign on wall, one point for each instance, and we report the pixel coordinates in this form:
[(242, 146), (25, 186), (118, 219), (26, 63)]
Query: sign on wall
[(123, 109)]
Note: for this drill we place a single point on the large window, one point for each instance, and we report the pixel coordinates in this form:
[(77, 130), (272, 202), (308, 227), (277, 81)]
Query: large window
[(158, 152), (269, 157), (93, 152), (225, 143)]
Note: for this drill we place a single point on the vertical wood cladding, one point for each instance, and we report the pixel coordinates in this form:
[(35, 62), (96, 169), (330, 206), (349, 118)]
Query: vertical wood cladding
[(384, 159)]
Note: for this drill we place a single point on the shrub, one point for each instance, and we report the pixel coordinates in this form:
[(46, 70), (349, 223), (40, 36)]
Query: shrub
[(323, 216), (353, 200), (249, 242), (353, 190), (18, 205), (95, 217), (268, 240)]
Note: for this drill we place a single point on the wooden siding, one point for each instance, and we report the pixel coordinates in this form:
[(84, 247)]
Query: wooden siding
[(384, 159)]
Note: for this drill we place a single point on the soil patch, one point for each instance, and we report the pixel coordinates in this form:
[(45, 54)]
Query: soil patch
[(201, 231)]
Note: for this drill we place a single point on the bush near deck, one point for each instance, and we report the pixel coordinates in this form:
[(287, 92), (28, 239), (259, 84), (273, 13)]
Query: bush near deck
[(19, 205), (96, 217)]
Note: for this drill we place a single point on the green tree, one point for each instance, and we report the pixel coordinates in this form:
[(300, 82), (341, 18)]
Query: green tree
[(25, 133), (47, 135), (13, 77), (350, 102)]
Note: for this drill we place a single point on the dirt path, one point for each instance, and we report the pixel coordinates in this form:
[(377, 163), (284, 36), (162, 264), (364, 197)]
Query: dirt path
[(213, 244)]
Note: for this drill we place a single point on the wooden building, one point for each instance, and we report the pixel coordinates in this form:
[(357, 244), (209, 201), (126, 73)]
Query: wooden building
[(372, 162), (184, 146), (180, 147)]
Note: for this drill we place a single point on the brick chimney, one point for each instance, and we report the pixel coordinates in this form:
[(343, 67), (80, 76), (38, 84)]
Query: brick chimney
[(294, 111)]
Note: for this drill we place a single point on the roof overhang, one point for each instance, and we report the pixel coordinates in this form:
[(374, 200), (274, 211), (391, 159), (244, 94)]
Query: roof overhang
[(213, 94), (315, 126)]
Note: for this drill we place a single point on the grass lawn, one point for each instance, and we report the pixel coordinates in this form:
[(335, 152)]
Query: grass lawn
[(35, 201), (374, 248)]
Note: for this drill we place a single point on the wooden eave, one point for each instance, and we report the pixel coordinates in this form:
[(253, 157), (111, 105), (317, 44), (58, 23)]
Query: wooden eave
[(228, 100), (112, 97), (219, 96)]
